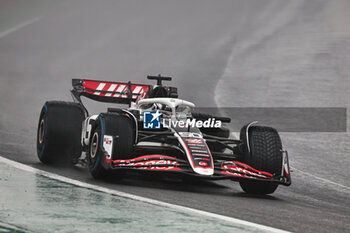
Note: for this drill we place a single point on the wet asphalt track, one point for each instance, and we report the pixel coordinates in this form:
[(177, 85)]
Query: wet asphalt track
[(229, 53)]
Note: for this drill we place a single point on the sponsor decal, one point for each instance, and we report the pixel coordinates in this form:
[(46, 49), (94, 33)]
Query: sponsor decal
[(197, 157), (151, 120), (149, 162), (150, 165), (107, 145), (194, 141), (108, 141), (202, 163)]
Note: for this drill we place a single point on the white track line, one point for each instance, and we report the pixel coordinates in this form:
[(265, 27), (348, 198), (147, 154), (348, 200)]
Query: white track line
[(321, 179), (137, 198), (19, 26)]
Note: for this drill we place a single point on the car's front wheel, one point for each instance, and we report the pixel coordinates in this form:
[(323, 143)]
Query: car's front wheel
[(262, 151), (122, 128), (95, 154)]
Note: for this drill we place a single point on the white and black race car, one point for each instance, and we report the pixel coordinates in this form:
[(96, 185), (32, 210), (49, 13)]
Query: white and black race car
[(157, 132)]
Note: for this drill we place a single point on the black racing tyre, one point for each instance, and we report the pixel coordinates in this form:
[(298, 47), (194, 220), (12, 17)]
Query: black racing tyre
[(111, 124), (265, 155), (123, 127), (59, 133), (95, 154)]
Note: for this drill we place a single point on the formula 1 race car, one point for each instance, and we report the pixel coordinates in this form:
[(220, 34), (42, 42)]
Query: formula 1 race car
[(157, 132)]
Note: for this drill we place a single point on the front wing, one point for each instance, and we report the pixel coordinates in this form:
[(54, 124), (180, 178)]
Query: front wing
[(233, 170)]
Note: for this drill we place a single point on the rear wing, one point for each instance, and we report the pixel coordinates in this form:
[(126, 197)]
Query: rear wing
[(111, 92)]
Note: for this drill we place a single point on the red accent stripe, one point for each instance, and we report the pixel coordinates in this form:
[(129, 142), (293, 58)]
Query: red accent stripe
[(244, 170), (236, 174), (262, 172), (105, 88), (285, 172)]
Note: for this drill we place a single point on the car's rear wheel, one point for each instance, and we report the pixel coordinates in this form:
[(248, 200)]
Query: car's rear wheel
[(121, 127), (265, 154), (59, 133)]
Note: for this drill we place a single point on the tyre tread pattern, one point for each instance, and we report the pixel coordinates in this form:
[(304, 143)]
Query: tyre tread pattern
[(265, 155), (62, 140)]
